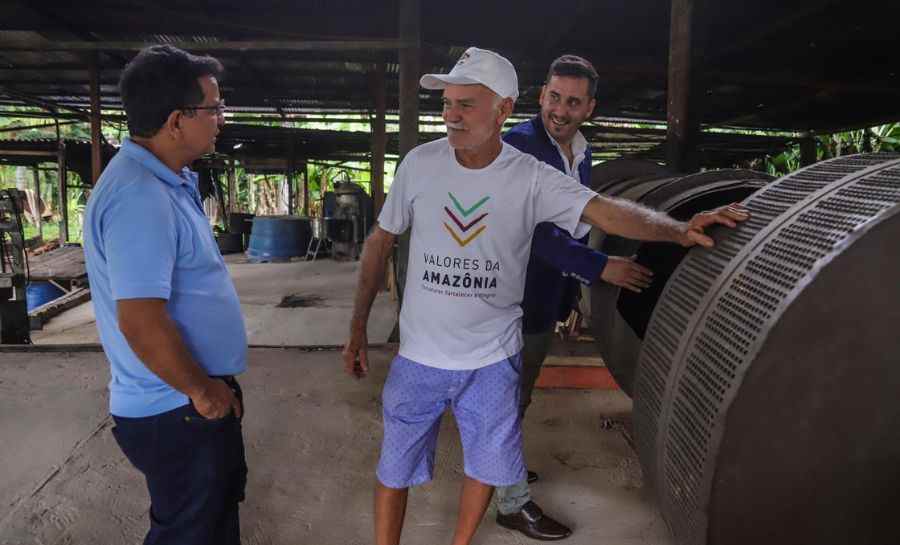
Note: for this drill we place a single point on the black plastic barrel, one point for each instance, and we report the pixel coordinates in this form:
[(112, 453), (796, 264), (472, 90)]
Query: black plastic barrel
[(230, 243), (278, 238), (241, 224)]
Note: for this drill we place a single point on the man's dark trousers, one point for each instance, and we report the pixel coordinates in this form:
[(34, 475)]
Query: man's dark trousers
[(195, 471)]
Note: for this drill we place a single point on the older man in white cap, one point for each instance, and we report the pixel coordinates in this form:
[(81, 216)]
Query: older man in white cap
[(472, 203)]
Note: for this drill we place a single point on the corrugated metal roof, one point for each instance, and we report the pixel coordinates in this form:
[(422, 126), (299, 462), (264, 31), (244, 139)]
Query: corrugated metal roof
[(754, 57), (761, 72)]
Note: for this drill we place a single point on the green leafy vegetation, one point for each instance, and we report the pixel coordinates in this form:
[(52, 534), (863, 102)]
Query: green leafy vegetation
[(873, 139), (261, 193)]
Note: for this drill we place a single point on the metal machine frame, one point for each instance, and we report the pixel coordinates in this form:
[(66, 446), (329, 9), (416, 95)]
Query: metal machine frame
[(14, 325)]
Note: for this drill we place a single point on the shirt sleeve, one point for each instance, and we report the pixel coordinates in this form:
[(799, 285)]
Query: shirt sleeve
[(140, 241), (560, 199), (396, 214), (571, 257)]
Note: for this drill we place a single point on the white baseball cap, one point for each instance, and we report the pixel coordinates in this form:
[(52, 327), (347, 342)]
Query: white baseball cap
[(478, 66)]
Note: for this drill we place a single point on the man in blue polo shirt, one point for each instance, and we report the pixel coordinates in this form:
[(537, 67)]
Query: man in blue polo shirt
[(558, 261), (168, 315)]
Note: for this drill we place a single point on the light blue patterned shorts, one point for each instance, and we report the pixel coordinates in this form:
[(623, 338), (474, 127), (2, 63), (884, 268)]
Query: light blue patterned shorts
[(485, 403)]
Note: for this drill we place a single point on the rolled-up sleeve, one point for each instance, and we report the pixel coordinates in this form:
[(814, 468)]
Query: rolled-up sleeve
[(140, 241)]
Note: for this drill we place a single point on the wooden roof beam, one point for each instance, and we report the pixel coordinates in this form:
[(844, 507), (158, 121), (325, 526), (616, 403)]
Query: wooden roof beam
[(41, 103), (241, 45)]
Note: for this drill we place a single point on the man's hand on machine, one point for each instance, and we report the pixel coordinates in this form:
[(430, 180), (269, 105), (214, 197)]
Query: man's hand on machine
[(729, 215)]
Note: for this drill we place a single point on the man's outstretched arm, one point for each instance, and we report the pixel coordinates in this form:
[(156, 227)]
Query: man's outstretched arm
[(632, 220), (376, 250)]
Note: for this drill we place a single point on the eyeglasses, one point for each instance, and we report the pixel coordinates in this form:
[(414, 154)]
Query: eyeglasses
[(219, 108)]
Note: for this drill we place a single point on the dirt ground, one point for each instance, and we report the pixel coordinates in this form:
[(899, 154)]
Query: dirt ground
[(324, 289), (312, 438)]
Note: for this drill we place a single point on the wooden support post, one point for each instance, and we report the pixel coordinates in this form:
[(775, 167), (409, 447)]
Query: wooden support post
[(232, 189), (251, 191), (63, 190), (305, 170), (410, 29), (292, 193), (685, 91), (808, 151), (410, 71), (379, 134), (289, 179), (220, 197), (96, 137), (38, 216)]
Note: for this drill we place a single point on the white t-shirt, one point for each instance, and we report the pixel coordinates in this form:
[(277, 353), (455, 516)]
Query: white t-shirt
[(469, 248)]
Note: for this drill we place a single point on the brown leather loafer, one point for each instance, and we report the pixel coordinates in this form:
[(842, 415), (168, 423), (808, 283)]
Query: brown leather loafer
[(533, 523)]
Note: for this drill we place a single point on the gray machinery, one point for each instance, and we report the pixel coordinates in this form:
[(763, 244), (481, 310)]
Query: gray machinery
[(352, 219), (14, 325), (619, 317), (766, 393)]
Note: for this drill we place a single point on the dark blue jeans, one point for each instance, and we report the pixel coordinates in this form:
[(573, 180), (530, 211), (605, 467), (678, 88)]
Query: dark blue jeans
[(195, 471)]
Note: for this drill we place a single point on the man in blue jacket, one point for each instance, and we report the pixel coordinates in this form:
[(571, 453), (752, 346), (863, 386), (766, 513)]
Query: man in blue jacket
[(558, 262)]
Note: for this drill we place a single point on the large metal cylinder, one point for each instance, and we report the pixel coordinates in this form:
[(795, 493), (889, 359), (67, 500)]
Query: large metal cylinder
[(619, 317), (766, 396)]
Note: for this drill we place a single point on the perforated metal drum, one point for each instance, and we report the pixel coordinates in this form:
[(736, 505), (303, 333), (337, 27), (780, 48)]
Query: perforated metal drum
[(767, 395), (619, 317)]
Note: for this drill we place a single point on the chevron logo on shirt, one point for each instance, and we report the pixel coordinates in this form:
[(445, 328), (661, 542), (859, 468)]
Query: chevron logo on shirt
[(463, 224)]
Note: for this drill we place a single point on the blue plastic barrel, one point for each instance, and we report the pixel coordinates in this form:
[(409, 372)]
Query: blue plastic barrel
[(41, 293), (278, 238)]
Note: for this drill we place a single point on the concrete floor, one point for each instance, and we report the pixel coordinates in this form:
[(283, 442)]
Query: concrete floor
[(261, 287), (312, 437)]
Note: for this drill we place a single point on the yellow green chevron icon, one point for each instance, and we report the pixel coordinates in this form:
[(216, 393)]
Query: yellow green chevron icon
[(461, 237)]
